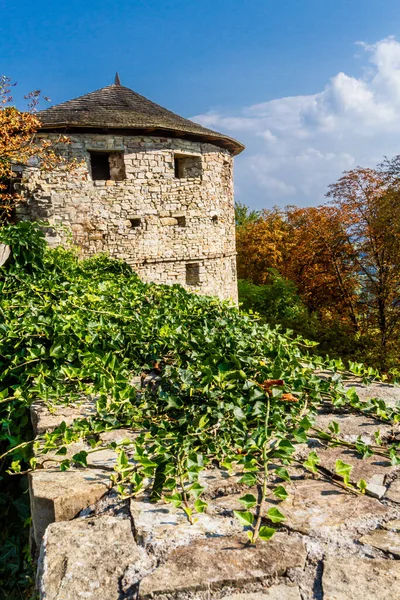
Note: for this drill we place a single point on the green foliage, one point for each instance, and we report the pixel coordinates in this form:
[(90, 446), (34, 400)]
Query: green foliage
[(244, 216), (72, 329), (277, 302)]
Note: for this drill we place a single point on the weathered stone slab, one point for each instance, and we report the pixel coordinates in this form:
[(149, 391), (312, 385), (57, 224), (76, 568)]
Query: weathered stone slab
[(220, 483), (99, 458), (163, 527), (5, 253), (383, 391), (95, 559), (118, 435), (60, 495), (392, 525), (43, 419), (353, 426), (214, 563), (277, 592), (393, 492), (317, 507), (361, 579), (373, 469), (388, 541)]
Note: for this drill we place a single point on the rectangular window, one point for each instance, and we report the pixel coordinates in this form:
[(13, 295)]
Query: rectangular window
[(135, 222), (192, 274), (187, 166), (100, 166), (107, 166)]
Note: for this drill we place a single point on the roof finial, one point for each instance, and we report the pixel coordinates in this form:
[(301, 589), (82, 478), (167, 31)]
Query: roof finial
[(116, 80)]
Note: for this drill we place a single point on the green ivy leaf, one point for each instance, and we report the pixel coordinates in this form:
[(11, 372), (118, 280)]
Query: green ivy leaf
[(362, 486), (312, 462), (248, 479), (266, 533), (344, 470), (246, 518), (275, 515), (280, 492), (248, 500), (200, 506)]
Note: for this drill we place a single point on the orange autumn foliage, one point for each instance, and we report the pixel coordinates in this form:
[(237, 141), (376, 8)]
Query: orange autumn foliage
[(20, 146), (262, 245)]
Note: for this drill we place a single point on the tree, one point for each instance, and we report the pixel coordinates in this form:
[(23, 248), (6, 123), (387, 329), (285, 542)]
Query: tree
[(262, 244), (20, 146), (321, 262), (368, 202), (244, 216)]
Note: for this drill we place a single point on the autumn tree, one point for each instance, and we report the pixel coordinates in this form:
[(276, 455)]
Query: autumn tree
[(321, 262), (368, 202), (20, 146), (261, 244)]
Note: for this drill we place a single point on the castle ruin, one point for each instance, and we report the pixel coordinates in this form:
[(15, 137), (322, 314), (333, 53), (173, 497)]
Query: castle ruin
[(152, 188)]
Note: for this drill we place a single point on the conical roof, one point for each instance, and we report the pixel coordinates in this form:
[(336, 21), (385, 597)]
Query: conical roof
[(116, 107)]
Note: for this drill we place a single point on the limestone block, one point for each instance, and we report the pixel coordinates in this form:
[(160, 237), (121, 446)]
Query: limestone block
[(210, 564), (60, 495), (276, 592), (388, 541), (318, 507), (95, 559), (372, 469), (46, 419), (389, 393), (393, 492), (352, 426), (162, 527), (361, 579)]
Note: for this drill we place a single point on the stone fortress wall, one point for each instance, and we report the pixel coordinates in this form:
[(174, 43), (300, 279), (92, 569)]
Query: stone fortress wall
[(167, 209)]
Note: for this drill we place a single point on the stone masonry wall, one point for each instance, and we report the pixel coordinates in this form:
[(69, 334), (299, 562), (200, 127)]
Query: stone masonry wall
[(333, 545), (166, 214)]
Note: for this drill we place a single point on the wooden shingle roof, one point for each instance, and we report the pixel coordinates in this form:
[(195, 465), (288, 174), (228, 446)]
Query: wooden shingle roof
[(119, 108)]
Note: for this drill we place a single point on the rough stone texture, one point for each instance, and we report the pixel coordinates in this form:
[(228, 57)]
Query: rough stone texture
[(214, 563), (5, 253), (332, 545), (317, 507), (388, 541), (374, 469), (95, 559), (393, 492), (277, 592), (389, 393), (60, 495), (356, 579), (161, 527), (353, 426), (171, 229), (45, 419)]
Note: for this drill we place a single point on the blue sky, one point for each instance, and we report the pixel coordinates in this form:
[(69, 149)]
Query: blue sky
[(266, 72)]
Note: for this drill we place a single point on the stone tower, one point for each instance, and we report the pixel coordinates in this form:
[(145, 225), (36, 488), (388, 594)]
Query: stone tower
[(152, 188)]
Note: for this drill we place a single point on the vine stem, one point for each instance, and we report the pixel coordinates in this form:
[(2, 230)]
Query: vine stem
[(184, 495), (261, 503)]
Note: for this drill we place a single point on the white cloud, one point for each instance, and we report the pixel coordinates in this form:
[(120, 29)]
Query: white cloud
[(297, 146)]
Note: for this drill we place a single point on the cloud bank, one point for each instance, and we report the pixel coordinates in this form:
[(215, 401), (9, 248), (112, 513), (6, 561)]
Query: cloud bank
[(297, 146)]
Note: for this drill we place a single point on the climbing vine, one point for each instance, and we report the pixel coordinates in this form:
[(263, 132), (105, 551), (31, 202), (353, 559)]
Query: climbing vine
[(224, 390)]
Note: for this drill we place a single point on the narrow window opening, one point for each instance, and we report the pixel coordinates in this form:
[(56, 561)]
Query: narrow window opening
[(192, 274), (181, 221), (100, 166), (187, 166), (107, 166), (214, 219), (135, 222)]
